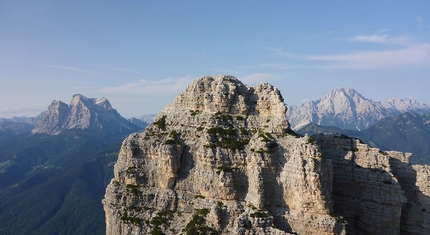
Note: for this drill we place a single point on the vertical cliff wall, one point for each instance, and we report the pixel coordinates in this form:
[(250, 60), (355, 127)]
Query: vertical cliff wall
[(222, 159), (377, 192)]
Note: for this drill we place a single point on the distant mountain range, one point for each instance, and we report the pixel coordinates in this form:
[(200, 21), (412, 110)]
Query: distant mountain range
[(407, 132), (82, 113), (54, 168), (393, 124), (9, 129), (53, 175), (348, 109), (148, 118)]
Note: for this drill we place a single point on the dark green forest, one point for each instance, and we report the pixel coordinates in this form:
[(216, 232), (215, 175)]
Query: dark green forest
[(54, 184)]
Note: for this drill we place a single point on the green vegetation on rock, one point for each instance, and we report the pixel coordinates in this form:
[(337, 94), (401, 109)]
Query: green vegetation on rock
[(197, 225), (161, 123)]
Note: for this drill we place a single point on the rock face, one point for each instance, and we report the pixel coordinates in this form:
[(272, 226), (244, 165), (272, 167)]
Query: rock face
[(377, 192), (82, 113), (348, 109), (222, 159)]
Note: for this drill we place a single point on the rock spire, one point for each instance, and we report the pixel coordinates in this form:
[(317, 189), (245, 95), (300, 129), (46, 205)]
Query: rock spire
[(222, 159)]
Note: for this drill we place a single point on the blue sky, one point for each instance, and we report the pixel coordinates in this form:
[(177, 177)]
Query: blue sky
[(141, 54)]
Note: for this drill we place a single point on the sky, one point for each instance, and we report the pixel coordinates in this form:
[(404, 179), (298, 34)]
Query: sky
[(141, 54)]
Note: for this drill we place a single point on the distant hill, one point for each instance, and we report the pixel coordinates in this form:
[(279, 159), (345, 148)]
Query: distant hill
[(30, 120), (52, 180), (9, 129), (407, 132), (53, 184), (348, 109)]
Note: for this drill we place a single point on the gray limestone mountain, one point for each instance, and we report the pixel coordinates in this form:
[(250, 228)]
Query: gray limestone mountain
[(148, 118), (52, 180), (83, 113), (347, 109), (406, 105), (222, 159)]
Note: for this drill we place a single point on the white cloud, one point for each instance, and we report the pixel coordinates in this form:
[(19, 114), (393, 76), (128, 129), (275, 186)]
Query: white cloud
[(378, 38), (149, 87), (416, 56), (408, 55), (73, 69)]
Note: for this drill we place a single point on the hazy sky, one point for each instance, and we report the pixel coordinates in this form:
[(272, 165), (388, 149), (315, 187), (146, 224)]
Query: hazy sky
[(141, 54)]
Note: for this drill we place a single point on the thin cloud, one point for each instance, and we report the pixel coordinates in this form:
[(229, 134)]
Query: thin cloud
[(378, 38), (149, 87), (417, 56), (409, 55), (19, 110), (122, 69), (73, 69), (128, 70), (420, 20)]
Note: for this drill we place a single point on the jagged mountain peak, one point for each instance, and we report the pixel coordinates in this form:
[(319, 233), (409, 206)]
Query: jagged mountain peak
[(83, 113), (226, 94), (405, 105), (340, 93), (219, 160), (81, 99), (348, 109), (213, 146), (342, 90)]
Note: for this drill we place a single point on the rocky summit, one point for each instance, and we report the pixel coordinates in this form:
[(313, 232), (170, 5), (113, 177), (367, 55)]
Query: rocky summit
[(222, 159), (83, 113), (347, 109)]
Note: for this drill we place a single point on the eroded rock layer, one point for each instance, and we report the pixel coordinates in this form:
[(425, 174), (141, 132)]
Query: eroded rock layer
[(377, 192), (222, 159)]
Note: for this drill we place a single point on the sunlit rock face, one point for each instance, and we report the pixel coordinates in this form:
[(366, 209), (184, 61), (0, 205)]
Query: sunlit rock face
[(83, 113), (221, 158), (347, 109)]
